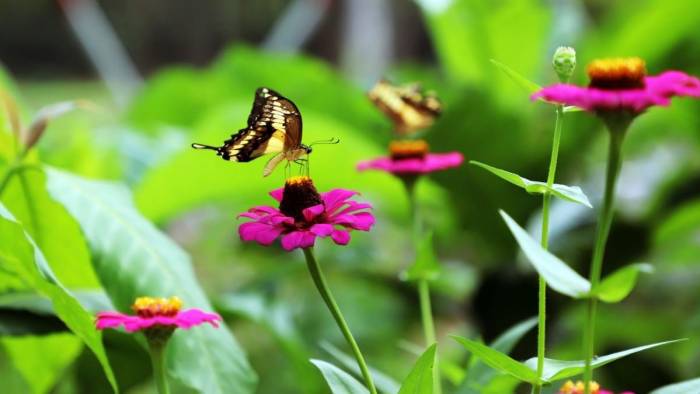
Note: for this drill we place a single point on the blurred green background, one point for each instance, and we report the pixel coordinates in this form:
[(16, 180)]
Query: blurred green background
[(189, 73)]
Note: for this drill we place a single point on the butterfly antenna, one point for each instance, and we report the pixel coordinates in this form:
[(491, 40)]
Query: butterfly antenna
[(202, 146), (331, 141)]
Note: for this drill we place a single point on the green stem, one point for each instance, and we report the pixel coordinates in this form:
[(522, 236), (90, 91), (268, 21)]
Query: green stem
[(157, 351), (602, 232), (546, 199), (426, 310), (325, 291)]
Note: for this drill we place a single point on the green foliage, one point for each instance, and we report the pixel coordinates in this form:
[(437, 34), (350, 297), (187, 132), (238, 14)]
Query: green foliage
[(383, 382), (688, 386), (420, 379), (338, 380), (499, 361), (134, 259), (618, 285), (567, 193)]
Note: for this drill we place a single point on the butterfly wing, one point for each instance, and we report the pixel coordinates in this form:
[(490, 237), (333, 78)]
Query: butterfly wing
[(407, 106), (274, 125)]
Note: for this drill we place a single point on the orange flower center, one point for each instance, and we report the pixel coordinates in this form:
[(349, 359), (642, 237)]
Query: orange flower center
[(299, 194), (408, 149), (617, 73), (156, 306), (578, 388)]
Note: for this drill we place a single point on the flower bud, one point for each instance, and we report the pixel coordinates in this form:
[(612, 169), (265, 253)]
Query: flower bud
[(564, 63)]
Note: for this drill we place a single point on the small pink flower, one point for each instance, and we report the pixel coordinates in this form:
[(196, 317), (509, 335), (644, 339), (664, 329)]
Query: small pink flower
[(411, 157), (622, 85), (156, 313), (304, 215), (578, 388)]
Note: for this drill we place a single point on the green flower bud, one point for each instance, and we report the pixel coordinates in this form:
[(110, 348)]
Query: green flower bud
[(564, 62)]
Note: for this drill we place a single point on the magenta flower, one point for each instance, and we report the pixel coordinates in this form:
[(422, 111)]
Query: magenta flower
[(156, 313), (304, 215), (622, 85), (411, 157)]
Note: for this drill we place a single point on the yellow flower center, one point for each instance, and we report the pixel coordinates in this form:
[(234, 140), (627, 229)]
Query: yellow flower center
[(617, 73), (298, 180), (156, 306), (406, 149), (578, 388)]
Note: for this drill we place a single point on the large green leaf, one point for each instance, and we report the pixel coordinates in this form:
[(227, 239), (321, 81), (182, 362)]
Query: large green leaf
[(559, 276), (421, 379), (567, 193), (19, 254), (56, 233), (383, 382), (498, 360), (688, 386), (132, 259), (42, 360), (559, 369), (618, 285), (339, 381), (526, 84)]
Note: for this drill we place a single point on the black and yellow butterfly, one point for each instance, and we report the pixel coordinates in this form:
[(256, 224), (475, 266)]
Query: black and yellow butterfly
[(409, 108), (274, 126)]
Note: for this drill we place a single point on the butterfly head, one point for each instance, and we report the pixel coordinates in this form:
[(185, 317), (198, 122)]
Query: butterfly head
[(306, 149)]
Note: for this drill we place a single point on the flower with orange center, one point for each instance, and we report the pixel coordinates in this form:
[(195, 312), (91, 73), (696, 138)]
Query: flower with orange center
[(621, 85), (578, 388), (411, 158)]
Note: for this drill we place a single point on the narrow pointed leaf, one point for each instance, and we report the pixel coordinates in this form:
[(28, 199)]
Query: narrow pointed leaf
[(421, 378), (499, 361), (618, 285), (339, 381), (529, 86), (559, 369), (426, 266), (133, 258), (559, 276), (568, 193), (383, 382), (688, 386)]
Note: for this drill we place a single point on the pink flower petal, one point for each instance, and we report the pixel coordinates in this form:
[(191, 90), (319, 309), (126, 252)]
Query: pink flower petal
[(359, 221), (311, 213), (322, 229), (308, 239), (432, 162), (335, 198), (292, 240), (277, 194), (194, 317), (341, 237)]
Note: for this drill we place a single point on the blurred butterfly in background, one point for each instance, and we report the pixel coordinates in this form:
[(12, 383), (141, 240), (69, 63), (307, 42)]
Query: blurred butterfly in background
[(274, 126), (407, 105)]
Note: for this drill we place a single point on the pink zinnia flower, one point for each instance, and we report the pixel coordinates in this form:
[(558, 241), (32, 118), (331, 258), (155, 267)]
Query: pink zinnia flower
[(304, 215), (156, 313), (621, 85), (578, 388), (412, 157)]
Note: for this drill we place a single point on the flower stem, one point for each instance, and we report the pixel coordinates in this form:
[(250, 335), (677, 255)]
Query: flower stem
[(157, 351), (546, 199), (325, 291), (602, 232), (426, 309)]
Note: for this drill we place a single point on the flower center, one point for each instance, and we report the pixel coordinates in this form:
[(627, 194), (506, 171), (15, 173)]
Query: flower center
[(578, 388), (156, 306), (407, 149), (618, 73), (299, 194)]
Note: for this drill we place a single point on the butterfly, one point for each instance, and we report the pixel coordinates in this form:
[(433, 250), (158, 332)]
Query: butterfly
[(274, 126), (409, 108)]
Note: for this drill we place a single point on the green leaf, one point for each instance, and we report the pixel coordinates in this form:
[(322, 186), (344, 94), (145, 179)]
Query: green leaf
[(499, 361), (65, 249), (479, 374), (567, 193), (559, 276), (19, 254), (688, 386), (524, 83), (421, 378), (383, 382), (618, 285), (42, 360), (559, 369), (426, 266), (132, 258), (338, 380)]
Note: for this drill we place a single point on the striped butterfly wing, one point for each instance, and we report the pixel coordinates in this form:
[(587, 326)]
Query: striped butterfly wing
[(409, 108), (274, 125)]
